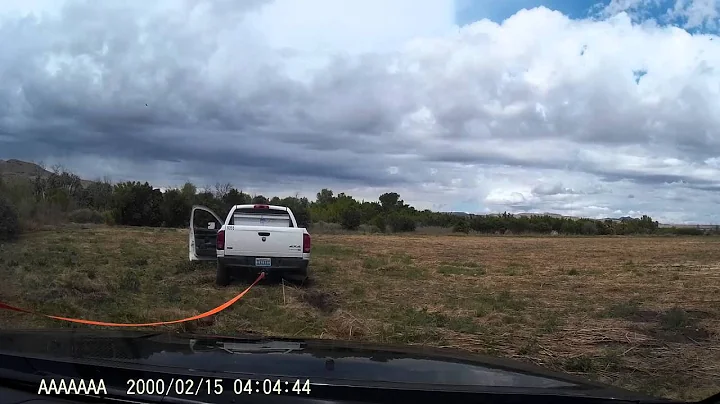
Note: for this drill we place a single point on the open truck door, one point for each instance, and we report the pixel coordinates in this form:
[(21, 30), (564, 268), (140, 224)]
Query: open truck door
[(202, 240)]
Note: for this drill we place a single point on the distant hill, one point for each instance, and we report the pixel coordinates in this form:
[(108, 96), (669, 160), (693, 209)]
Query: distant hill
[(556, 215), (18, 168), (22, 169), (465, 214)]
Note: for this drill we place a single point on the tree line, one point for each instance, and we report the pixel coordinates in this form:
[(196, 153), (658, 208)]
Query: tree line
[(62, 196)]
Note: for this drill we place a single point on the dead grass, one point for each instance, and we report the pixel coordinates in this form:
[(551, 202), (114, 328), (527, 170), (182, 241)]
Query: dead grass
[(640, 313)]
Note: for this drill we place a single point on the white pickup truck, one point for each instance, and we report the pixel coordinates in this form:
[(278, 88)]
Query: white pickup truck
[(264, 237)]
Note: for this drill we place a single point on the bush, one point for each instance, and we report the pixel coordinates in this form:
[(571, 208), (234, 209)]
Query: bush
[(351, 218), (137, 204), (380, 223), (687, 231), (462, 227), (86, 216), (175, 208), (327, 228), (9, 221), (108, 217), (368, 229), (401, 223), (589, 229)]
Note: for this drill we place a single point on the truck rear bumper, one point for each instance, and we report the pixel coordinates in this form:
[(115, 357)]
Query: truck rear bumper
[(279, 264)]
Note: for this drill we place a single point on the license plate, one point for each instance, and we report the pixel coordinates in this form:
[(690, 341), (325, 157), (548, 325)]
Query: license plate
[(263, 262)]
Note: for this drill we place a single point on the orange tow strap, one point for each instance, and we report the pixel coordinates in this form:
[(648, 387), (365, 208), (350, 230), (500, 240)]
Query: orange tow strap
[(103, 323)]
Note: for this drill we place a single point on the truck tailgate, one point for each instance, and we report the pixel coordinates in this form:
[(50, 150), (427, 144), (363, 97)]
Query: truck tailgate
[(264, 241)]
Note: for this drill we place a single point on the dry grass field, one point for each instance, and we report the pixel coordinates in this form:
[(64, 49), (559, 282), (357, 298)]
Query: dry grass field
[(640, 313)]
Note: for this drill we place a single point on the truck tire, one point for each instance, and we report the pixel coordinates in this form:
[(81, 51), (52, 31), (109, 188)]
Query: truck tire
[(222, 275), (296, 277)]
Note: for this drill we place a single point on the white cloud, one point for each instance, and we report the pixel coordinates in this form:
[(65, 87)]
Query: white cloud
[(689, 14), (542, 113)]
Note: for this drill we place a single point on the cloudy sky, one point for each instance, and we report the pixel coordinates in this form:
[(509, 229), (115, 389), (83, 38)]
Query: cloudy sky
[(566, 106)]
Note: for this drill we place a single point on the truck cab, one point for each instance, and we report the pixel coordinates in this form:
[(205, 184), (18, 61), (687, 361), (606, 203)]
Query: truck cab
[(251, 237)]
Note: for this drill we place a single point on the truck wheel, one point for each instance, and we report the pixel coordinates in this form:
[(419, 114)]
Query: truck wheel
[(296, 277), (222, 275)]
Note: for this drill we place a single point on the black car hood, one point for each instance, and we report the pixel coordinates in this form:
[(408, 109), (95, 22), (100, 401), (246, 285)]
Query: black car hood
[(315, 359)]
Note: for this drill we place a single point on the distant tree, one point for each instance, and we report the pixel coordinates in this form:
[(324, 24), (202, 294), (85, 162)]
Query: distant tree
[(380, 222), (61, 198), (589, 229), (391, 201), (300, 208), (400, 222), (325, 196), (351, 217), (234, 197), (9, 221), (208, 200), (60, 189), (68, 182), (189, 190), (259, 199), (602, 227), (462, 226), (175, 208), (61, 194), (222, 189), (540, 225), (136, 204), (370, 210), (97, 195)]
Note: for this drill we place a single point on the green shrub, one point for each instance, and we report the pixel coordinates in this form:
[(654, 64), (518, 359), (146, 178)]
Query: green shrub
[(85, 216), (462, 227), (589, 229), (138, 204), (380, 223), (351, 218), (9, 221), (401, 223), (687, 231), (108, 217)]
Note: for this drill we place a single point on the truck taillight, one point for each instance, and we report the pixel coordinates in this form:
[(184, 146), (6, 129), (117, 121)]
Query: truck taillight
[(306, 243), (220, 240), (261, 207)]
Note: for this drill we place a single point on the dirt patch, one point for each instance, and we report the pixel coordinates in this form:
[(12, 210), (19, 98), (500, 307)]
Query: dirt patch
[(679, 325), (687, 334), (671, 318), (675, 325), (326, 302), (644, 316)]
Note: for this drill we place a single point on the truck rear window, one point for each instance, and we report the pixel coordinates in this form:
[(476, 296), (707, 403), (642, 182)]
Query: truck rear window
[(261, 217)]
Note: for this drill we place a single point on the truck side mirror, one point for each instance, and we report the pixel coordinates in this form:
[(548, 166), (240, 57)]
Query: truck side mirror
[(211, 225)]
